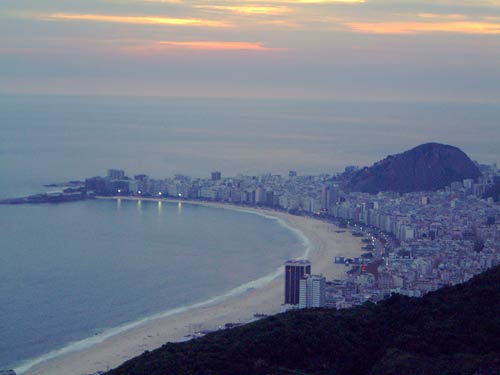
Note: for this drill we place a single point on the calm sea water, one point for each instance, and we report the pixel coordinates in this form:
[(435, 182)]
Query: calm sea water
[(54, 138), (72, 271)]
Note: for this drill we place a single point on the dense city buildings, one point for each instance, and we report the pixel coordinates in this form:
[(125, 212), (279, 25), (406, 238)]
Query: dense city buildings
[(413, 243)]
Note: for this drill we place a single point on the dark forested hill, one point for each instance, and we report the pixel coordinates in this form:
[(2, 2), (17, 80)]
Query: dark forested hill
[(428, 167), (455, 330)]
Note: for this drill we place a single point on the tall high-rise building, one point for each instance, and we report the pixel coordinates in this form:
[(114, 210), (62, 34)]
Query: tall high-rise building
[(116, 174), (292, 174), (325, 197), (335, 194), (260, 195), (216, 176), (468, 183), (269, 198), (294, 272), (312, 291)]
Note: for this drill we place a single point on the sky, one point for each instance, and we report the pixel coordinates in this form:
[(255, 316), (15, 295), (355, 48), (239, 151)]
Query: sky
[(374, 50)]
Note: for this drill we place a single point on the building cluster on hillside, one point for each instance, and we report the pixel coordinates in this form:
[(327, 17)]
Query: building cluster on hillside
[(415, 242)]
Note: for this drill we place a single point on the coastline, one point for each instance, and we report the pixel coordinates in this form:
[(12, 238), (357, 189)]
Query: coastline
[(263, 296)]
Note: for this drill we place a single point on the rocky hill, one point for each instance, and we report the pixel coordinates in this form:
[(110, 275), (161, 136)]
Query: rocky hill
[(427, 167), (455, 330)]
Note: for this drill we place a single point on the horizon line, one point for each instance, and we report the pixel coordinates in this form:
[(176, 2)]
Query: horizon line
[(471, 101)]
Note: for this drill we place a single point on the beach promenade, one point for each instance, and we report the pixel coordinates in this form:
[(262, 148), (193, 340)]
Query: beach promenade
[(325, 242)]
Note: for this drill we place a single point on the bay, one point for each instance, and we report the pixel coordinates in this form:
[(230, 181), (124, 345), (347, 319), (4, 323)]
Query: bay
[(75, 270)]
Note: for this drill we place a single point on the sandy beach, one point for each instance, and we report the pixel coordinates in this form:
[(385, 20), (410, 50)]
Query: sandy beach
[(326, 243)]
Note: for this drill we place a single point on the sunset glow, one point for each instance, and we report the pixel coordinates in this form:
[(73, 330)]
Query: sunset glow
[(290, 48), (200, 45), (207, 45), (141, 20), (314, 1), (426, 27), (248, 9), (442, 16)]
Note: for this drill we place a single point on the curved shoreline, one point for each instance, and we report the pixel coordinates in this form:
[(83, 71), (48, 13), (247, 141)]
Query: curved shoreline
[(87, 343), (81, 345), (262, 295)]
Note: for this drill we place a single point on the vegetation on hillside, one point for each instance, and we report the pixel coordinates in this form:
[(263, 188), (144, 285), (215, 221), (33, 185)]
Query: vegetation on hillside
[(428, 167), (455, 330)]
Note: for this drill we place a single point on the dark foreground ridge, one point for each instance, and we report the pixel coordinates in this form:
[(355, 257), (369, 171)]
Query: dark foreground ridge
[(455, 330), (427, 167)]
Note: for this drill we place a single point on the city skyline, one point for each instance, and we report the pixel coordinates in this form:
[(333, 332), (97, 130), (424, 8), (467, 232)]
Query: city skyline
[(304, 49)]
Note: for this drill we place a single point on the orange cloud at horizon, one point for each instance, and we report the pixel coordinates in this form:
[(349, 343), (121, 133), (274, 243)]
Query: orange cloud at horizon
[(163, 1), (316, 1), (276, 1), (484, 28), (160, 46), (292, 2), (327, 1), (215, 45), (251, 9), (141, 20), (442, 16)]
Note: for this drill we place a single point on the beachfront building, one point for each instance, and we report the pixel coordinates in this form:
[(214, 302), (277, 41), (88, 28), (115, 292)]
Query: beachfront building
[(260, 195), (312, 291), (116, 174), (216, 176), (294, 272)]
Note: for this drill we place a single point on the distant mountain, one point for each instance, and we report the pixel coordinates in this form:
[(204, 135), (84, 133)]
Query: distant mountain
[(427, 167), (455, 330)]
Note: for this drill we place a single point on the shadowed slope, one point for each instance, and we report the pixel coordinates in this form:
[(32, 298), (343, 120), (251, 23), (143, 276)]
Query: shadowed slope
[(428, 167), (455, 330)]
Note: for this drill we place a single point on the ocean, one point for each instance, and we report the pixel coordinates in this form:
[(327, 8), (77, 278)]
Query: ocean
[(76, 270), (71, 274), (46, 139)]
